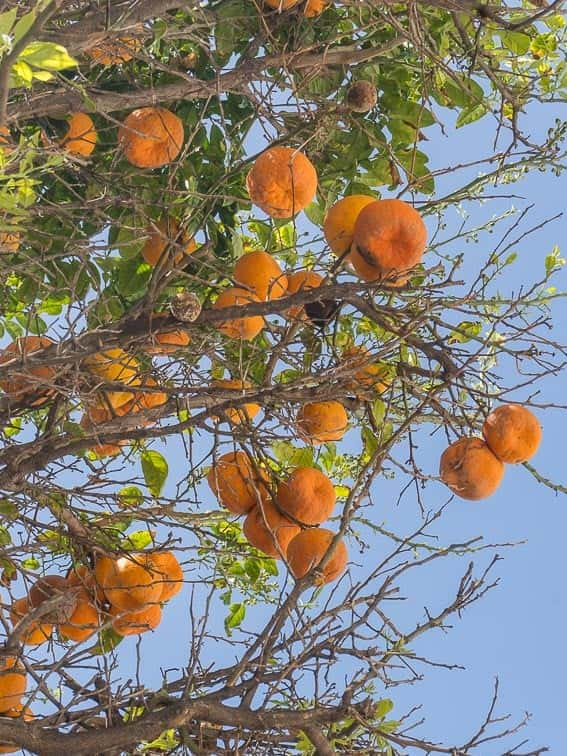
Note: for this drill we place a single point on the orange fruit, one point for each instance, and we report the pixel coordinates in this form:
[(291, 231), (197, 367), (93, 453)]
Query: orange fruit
[(281, 5), (166, 341), (236, 483), (264, 527), (282, 182), (338, 226), (320, 422), (244, 412), (470, 469), (115, 365), (6, 140), (81, 135), (151, 137), (85, 620), (314, 8), (370, 377), (83, 577), (15, 713), (168, 573), (149, 399), (164, 233), (12, 688), (9, 241), (261, 274), (301, 280), (245, 328), (389, 238), (128, 582), (513, 433), (112, 52), (27, 383), (307, 495), (138, 622), (88, 423), (36, 632), (307, 550), (53, 587)]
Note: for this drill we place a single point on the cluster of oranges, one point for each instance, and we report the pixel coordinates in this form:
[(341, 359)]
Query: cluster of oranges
[(286, 524), (13, 681)]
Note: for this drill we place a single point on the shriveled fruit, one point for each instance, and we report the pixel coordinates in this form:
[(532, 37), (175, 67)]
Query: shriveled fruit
[(136, 623), (269, 531), (236, 483), (168, 573), (53, 587), (389, 238), (362, 96), (307, 550), (369, 377), (245, 328), (151, 137), (320, 422), (513, 433), (85, 620), (282, 182), (12, 688), (36, 632), (338, 225), (112, 52), (307, 495), (314, 8), (470, 469), (128, 582), (164, 233), (301, 280), (9, 241), (81, 135), (260, 273), (16, 712), (244, 412), (167, 340), (26, 382)]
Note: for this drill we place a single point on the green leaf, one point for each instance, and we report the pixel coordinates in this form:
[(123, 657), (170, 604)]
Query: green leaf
[(235, 617), (137, 541), (469, 115), (31, 563), (464, 332), (383, 707), (516, 42), (47, 56), (378, 411), (155, 469), (288, 454), (24, 25), (252, 568), (553, 261), (8, 509), (108, 639), (5, 537), (21, 75), (7, 20), (130, 496), (14, 427)]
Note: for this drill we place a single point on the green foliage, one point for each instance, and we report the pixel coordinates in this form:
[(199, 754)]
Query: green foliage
[(155, 469)]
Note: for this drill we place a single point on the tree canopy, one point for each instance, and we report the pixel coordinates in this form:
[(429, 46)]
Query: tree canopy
[(239, 294)]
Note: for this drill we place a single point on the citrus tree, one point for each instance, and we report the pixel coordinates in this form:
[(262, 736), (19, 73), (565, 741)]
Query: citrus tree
[(238, 297)]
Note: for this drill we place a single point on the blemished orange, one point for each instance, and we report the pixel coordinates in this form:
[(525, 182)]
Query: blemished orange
[(15, 713), (338, 226), (236, 483), (163, 233), (321, 422), (307, 550), (112, 52), (138, 622), (36, 632), (370, 377), (306, 495), (85, 620), (282, 182), (151, 137), (128, 582), (81, 136), (25, 382), (53, 587), (260, 273), (10, 241), (246, 328), (244, 412), (513, 433), (470, 469), (268, 530), (167, 341), (301, 280), (12, 688), (389, 238), (314, 8), (168, 573)]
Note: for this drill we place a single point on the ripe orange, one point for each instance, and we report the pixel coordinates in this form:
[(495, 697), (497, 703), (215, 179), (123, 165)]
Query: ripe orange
[(36, 632), (369, 377), (314, 8), (167, 341), (12, 688), (138, 622), (389, 238), (6, 144), (470, 469), (245, 328), (282, 182), (168, 573), (307, 495), (83, 577), (81, 135), (260, 273), (244, 412), (307, 550), (85, 620), (112, 52), (115, 365), (128, 582), (27, 383), (9, 241), (236, 483), (338, 225), (268, 530), (513, 433), (300, 281), (281, 5), (53, 587), (88, 423), (320, 422), (151, 137), (149, 399), (164, 233)]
